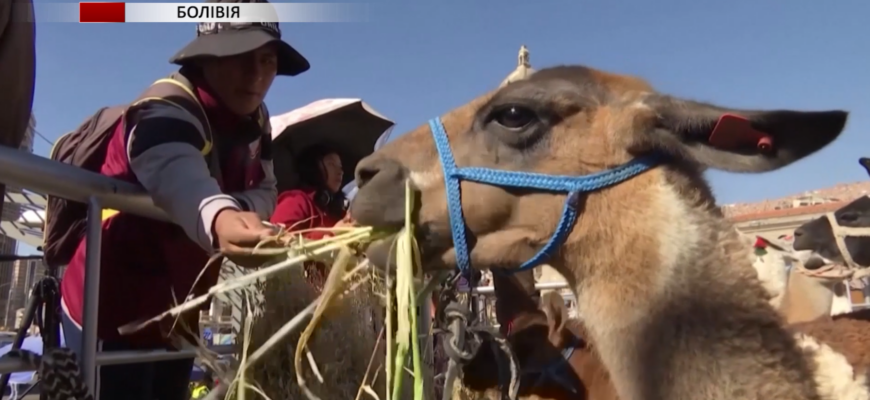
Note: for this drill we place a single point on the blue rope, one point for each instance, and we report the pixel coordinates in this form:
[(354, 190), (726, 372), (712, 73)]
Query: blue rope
[(573, 185)]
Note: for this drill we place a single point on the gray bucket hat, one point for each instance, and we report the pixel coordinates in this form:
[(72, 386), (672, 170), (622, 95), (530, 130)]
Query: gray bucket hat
[(226, 39)]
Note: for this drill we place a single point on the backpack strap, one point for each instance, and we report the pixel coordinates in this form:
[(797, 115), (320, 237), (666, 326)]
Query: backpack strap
[(177, 90), (263, 120)]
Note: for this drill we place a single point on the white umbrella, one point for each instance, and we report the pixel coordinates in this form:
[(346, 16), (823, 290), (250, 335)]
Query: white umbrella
[(349, 126), (350, 189)]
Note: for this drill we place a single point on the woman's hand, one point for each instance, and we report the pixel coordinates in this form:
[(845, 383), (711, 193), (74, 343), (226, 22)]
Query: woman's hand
[(346, 222), (237, 232)]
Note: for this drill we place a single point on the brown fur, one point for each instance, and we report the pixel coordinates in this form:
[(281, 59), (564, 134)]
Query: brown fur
[(542, 331), (665, 286), (847, 334), (585, 360)]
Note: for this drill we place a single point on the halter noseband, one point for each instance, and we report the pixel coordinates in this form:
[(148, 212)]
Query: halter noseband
[(573, 185)]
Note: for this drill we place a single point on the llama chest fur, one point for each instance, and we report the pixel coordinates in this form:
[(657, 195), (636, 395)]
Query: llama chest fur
[(835, 377)]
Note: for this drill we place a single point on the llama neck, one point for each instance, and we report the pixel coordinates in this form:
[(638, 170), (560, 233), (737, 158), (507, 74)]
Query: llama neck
[(806, 298), (685, 280), (773, 275)]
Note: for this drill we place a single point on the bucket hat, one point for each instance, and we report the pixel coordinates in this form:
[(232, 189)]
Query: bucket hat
[(225, 39)]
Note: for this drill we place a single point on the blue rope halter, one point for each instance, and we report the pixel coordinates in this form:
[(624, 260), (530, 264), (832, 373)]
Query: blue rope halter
[(573, 185)]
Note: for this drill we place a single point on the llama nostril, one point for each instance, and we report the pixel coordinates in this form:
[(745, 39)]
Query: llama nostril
[(364, 175), (366, 170), (384, 168), (814, 263)]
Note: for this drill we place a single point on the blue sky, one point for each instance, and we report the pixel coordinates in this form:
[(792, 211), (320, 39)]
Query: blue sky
[(413, 60)]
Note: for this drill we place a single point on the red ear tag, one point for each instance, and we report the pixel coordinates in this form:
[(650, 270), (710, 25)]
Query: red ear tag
[(733, 132)]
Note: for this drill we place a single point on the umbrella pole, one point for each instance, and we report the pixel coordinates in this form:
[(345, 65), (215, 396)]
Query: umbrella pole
[(45, 298)]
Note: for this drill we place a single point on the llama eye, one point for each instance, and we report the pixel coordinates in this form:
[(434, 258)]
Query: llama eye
[(848, 217), (514, 117)]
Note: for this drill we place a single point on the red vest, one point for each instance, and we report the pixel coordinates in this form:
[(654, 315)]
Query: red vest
[(147, 264)]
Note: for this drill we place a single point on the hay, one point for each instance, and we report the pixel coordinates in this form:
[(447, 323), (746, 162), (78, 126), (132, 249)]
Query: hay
[(463, 393), (339, 354), (341, 346), (345, 353)]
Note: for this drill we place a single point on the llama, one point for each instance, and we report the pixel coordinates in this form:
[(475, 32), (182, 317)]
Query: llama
[(800, 294), (770, 261), (839, 344), (841, 237), (542, 336), (667, 291)]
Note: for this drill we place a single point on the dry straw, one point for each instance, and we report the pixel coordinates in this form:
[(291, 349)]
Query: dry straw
[(341, 353)]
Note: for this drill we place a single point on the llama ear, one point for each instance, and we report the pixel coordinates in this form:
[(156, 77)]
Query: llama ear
[(553, 306), (865, 162), (513, 295), (740, 140)]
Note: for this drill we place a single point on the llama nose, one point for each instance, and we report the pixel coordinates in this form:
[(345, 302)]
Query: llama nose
[(798, 232), (384, 169), (380, 200)]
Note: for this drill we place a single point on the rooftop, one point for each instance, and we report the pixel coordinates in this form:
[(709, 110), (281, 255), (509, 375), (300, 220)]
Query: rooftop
[(809, 202)]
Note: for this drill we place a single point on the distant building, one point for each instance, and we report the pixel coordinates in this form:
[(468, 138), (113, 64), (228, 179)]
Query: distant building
[(777, 217), (24, 275)]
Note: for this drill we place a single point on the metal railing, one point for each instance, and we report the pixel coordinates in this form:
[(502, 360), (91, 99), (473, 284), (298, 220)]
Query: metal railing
[(539, 286), (52, 178), (9, 365), (483, 297)]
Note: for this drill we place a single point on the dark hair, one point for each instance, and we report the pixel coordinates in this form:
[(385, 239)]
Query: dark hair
[(308, 166)]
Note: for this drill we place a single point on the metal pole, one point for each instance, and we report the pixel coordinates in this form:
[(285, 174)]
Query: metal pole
[(9, 365), (545, 285), (2, 196), (41, 175), (90, 312), (145, 356)]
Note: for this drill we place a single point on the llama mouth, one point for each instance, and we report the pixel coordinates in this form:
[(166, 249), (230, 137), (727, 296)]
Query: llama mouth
[(820, 267), (381, 252)]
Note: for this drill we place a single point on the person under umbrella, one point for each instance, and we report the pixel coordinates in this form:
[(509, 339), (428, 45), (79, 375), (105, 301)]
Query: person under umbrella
[(319, 203)]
